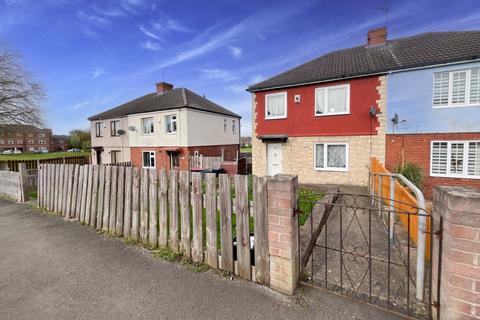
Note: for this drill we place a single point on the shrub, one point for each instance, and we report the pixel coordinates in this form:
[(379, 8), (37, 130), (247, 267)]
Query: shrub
[(412, 172)]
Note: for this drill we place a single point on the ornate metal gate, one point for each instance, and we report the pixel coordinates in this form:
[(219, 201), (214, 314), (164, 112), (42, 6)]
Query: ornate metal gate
[(362, 246)]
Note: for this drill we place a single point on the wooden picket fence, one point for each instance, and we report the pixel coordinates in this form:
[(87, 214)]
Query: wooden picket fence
[(167, 209), (201, 162), (33, 164)]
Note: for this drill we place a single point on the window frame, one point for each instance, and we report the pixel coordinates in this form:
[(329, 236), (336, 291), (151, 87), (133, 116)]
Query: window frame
[(327, 88), (449, 104), (117, 156), (466, 146), (152, 126), (176, 123), (325, 155), (98, 129), (112, 122), (234, 125), (285, 98), (152, 155)]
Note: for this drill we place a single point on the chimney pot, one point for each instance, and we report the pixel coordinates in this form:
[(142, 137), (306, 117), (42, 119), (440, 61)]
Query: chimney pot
[(163, 87), (377, 36)]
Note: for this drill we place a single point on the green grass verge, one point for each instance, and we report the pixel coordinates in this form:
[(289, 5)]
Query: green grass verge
[(246, 149), (306, 202), (41, 156)]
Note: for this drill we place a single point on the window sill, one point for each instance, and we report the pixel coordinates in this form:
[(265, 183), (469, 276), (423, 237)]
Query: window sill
[(332, 169), (171, 133), (331, 114), (453, 106), (275, 118), (451, 176)]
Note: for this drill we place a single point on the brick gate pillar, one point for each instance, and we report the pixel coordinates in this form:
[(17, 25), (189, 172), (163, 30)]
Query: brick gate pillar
[(460, 257), (283, 233)]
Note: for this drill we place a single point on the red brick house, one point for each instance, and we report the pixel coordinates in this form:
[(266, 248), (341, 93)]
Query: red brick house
[(325, 119), (163, 129)]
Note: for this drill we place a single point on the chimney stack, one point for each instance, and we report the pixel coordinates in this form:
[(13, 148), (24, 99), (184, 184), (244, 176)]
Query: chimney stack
[(163, 87), (377, 36)]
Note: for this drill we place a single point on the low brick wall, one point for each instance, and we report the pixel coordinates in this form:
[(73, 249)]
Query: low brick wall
[(460, 256)]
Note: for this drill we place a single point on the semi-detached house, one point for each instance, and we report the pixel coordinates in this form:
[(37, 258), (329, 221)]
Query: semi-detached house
[(325, 119), (162, 129)]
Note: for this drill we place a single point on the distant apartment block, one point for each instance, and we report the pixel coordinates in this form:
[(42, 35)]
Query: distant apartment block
[(25, 138)]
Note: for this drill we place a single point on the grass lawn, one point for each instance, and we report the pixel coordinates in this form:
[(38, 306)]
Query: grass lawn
[(246, 149), (306, 202), (37, 156)]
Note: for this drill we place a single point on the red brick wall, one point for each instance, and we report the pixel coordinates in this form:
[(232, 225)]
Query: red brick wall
[(460, 272), (230, 151), (416, 148)]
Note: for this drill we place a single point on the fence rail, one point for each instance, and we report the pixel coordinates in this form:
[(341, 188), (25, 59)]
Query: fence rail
[(189, 212), (33, 164)]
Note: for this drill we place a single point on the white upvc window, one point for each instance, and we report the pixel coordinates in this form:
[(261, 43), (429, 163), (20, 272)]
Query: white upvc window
[(148, 159), (98, 129), (147, 125), (332, 156), (333, 100), (224, 125), (455, 159), (41, 141), (171, 123), (276, 105), (234, 126), (459, 88)]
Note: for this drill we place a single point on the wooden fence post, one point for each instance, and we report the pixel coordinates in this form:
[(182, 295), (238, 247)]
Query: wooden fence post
[(22, 169), (94, 202), (163, 212), (127, 222), (197, 244), (113, 200), (243, 222), (135, 203), (153, 208), (144, 206), (211, 219), (101, 196), (120, 200), (184, 197), (262, 261), (173, 202), (106, 198), (226, 223)]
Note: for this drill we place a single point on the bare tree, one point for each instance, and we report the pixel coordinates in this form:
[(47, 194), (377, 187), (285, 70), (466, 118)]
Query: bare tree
[(20, 95)]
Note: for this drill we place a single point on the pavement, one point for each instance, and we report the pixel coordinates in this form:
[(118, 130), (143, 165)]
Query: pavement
[(53, 268)]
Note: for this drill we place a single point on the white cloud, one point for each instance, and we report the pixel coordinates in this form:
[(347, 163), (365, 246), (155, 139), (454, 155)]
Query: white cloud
[(93, 19), (218, 74), (97, 73), (150, 45), (149, 33), (109, 12), (80, 104), (169, 24), (235, 51)]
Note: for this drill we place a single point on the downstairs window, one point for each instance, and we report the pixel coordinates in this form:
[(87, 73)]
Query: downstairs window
[(455, 159)]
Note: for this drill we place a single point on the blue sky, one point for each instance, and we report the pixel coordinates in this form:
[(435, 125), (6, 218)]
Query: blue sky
[(94, 55)]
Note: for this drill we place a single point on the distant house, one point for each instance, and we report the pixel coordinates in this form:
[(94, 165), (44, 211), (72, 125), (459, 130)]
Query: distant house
[(162, 129), (25, 138), (323, 120)]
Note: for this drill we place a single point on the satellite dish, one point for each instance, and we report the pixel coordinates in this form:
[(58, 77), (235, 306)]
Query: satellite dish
[(395, 119), (132, 128), (121, 132)]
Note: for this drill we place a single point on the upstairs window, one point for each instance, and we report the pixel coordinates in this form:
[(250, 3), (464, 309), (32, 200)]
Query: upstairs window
[(148, 159), (224, 125), (114, 127), (98, 129), (456, 88), (147, 125), (31, 142), (332, 100), (455, 159), (276, 105), (41, 135), (171, 124), (233, 126)]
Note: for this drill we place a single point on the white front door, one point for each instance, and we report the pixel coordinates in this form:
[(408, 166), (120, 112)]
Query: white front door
[(274, 158)]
